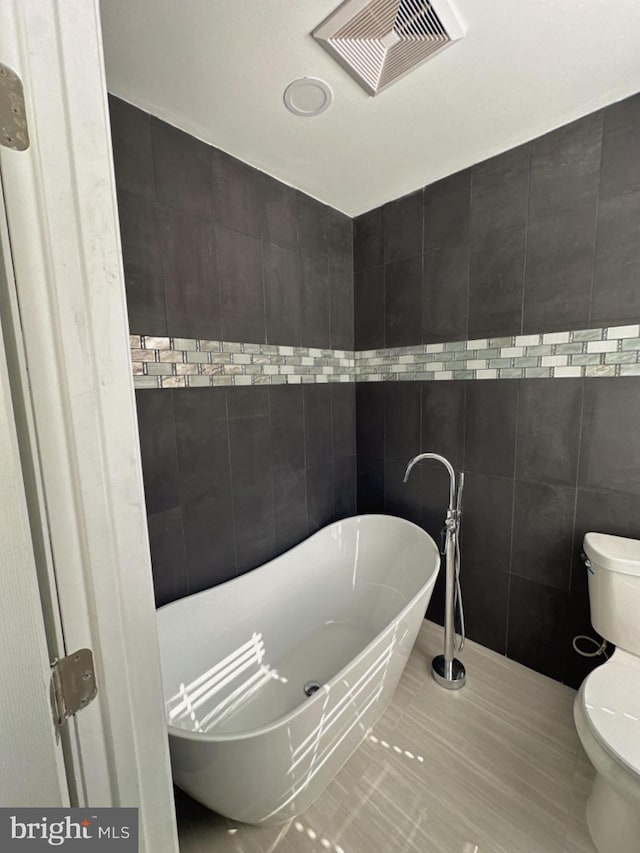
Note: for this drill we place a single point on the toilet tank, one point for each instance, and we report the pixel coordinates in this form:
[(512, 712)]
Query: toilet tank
[(614, 588)]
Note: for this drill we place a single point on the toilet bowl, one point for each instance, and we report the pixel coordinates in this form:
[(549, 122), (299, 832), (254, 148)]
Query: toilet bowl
[(607, 716), (607, 706)]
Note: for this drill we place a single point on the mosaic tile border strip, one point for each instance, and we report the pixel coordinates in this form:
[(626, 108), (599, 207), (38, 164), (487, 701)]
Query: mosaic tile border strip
[(160, 362), (612, 351), (164, 362)]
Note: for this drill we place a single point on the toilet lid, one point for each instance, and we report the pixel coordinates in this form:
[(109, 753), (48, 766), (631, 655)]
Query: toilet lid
[(611, 701)]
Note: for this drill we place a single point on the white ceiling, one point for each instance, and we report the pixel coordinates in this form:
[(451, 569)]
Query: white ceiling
[(218, 68)]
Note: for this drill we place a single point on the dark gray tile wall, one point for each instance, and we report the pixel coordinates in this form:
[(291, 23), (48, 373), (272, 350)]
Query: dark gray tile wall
[(545, 462), (542, 238), (545, 237), (234, 477), (215, 249)]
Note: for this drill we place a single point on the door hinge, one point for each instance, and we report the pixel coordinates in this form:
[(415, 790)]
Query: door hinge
[(14, 132), (73, 685)]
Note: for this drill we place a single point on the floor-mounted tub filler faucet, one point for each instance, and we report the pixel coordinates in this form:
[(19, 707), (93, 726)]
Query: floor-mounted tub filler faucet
[(447, 670)]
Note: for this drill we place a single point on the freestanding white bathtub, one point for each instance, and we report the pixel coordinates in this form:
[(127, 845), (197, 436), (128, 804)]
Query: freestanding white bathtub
[(341, 609)]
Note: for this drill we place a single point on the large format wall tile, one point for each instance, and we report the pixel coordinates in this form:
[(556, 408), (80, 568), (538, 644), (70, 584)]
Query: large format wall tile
[(209, 540), (549, 417), (280, 210), (443, 420), (447, 212), (496, 279), (400, 498), (341, 288), (403, 302), (565, 168), (616, 295), (344, 487), (192, 296), (370, 485), (488, 512), (156, 423), (318, 430), (287, 430), (315, 301), (537, 616), (241, 285), (290, 505), (182, 169), (132, 152), (620, 155), (543, 533), (142, 263), (491, 427), (202, 441), (343, 420), (559, 268), (370, 419), (369, 318), (282, 295), (320, 497), (402, 227), (236, 196), (368, 246), (445, 294), (169, 559), (500, 194), (401, 420), (610, 448), (255, 522)]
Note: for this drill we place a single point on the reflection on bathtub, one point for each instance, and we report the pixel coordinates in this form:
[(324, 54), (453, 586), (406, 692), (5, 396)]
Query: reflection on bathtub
[(199, 693), (338, 721)]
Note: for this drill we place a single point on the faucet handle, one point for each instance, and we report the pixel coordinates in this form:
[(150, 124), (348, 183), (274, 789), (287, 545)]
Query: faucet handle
[(459, 490)]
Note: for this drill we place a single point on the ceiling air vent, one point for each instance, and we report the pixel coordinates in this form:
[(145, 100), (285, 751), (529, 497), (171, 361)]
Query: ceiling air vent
[(379, 41)]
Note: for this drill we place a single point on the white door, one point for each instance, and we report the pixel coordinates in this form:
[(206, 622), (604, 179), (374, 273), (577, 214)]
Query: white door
[(31, 762), (65, 328)]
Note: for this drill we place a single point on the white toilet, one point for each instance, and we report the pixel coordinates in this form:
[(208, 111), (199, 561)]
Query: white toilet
[(607, 707)]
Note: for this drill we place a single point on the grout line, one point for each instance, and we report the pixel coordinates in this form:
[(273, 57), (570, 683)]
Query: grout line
[(233, 509), (471, 172), (577, 483), (596, 220), (526, 241), (513, 508)]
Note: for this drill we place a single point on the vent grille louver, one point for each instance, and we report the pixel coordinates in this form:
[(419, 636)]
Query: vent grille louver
[(379, 41)]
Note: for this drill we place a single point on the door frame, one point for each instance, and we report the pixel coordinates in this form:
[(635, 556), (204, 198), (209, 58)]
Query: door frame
[(33, 765), (69, 316)]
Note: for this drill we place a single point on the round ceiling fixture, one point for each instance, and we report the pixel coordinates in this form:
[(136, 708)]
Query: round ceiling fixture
[(307, 96)]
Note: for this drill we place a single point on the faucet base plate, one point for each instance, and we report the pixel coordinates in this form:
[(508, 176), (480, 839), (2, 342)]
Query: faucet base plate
[(451, 677)]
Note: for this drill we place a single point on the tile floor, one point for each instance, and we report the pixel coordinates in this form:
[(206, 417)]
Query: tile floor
[(494, 768)]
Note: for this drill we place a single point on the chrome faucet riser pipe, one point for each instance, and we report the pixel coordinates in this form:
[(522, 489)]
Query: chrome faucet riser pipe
[(446, 669), (449, 626)]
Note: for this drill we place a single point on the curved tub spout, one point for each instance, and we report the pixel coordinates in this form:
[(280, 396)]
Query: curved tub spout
[(447, 670), (447, 465)]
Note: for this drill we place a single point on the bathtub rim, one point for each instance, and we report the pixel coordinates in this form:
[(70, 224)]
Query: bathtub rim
[(200, 737)]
